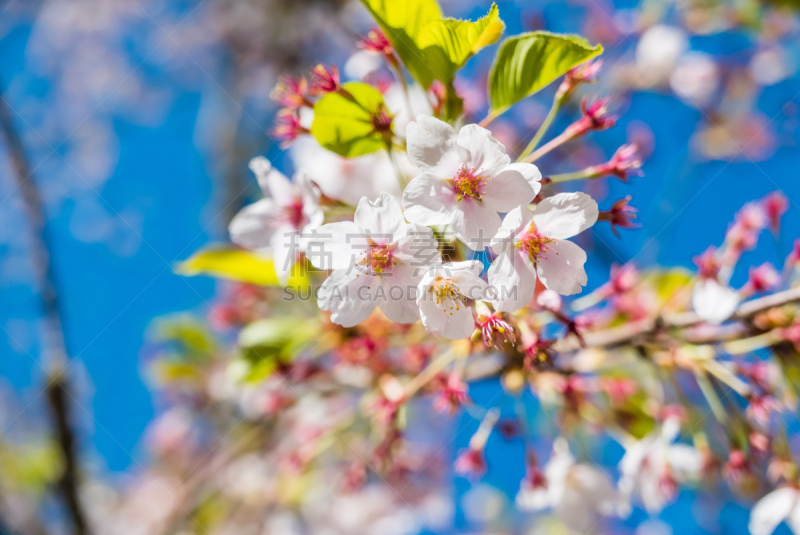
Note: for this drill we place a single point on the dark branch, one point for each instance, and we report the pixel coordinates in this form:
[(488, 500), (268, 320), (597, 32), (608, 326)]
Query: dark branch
[(54, 352)]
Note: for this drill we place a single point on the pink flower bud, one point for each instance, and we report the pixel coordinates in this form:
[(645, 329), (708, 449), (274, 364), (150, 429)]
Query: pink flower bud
[(290, 92), (775, 205), (324, 79), (376, 41), (471, 463), (762, 279), (595, 118), (452, 393), (707, 264), (624, 163), (288, 127), (621, 215)]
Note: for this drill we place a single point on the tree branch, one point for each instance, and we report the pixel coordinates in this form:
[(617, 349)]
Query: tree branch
[(54, 352), (649, 326)]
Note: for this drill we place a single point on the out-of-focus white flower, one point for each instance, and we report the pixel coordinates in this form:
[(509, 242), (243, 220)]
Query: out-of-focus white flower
[(768, 66), (377, 259), (658, 50), (466, 179), (654, 466), (779, 505), (534, 244), (695, 78), (713, 301), (442, 294), (575, 491), (272, 224), (349, 179), (395, 100)]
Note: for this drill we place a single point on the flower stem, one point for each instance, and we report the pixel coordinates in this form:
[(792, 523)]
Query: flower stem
[(551, 115), (547, 147), (577, 175), (438, 364), (489, 119)]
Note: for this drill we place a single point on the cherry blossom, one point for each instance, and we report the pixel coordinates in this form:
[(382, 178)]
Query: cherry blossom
[(779, 505), (377, 260), (466, 179), (654, 466), (272, 225), (575, 491), (713, 301), (533, 245), (443, 296)]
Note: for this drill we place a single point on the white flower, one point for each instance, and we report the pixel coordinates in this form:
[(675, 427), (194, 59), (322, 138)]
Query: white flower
[(575, 491), (441, 297), (714, 301), (695, 78), (779, 505), (377, 260), (533, 244), (466, 179), (349, 179), (272, 225), (654, 466), (659, 49)]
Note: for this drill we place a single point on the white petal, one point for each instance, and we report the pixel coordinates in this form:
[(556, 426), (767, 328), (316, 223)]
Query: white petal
[(560, 268), (450, 319), (400, 302), (346, 293), (479, 150), (507, 190), (565, 215), (347, 179), (475, 224), (513, 279), (529, 172), (685, 462), (252, 226), (515, 221), (431, 145), (272, 182), (381, 218), (713, 301), (771, 510), (284, 246), (429, 200), (417, 249), (335, 245)]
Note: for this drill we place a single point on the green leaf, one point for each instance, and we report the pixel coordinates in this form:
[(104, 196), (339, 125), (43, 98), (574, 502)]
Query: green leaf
[(526, 63), (349, 122), (238, 265), (402, 21), (448, 44), (268, 342)]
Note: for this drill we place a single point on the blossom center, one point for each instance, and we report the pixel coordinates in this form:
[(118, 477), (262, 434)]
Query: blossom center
[(469, 183), (533, 244), (445, 289), (293, 213), (379, 259)]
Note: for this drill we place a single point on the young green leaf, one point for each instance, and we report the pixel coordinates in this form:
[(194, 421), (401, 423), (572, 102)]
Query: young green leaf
[(353, 121), (402, 21), (526, 63), (449, 43), (238, 265)]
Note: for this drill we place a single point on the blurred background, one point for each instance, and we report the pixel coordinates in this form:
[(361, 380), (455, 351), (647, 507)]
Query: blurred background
[(135, 120)]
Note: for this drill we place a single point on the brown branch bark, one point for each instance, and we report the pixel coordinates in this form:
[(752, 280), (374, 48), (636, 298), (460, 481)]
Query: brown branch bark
[(647, 327), (54, 353)]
